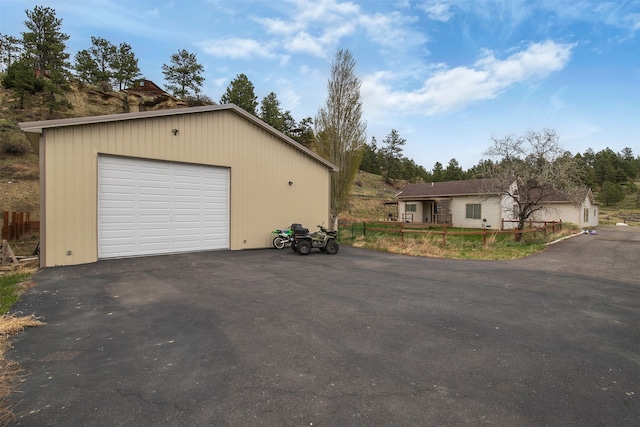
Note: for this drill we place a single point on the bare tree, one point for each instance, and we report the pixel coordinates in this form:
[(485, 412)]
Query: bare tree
[(532, 170), (340, 130)]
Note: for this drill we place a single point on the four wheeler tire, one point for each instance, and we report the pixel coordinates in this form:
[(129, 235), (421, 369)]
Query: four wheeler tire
[(278, 242), (304, 247), (332, 247), (294, 246)]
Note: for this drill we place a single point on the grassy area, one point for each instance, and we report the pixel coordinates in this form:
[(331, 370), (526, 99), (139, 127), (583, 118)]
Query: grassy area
[(461, 246), (626, 211), (10, 289)]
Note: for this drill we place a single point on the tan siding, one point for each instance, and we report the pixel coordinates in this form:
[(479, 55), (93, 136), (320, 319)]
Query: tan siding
[(261, 165)]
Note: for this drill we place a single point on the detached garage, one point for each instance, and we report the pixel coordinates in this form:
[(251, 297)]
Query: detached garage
[(170, 181)]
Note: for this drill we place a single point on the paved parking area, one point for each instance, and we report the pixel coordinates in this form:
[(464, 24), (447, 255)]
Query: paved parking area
[(268, 337)]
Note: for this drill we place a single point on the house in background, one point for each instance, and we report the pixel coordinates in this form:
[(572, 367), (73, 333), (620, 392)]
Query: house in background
[(147, 88), (467, 204), (558, 208)]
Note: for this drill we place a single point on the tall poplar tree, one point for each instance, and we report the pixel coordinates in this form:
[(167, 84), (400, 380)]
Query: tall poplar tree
[(340, 130)]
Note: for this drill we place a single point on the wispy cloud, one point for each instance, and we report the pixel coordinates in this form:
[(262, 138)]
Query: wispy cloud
[(318, 27), (450, 89), (237, 48), (391, 30), (438, 10)]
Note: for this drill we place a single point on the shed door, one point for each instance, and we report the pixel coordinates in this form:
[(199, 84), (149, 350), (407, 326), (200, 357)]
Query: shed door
[(148, 207)]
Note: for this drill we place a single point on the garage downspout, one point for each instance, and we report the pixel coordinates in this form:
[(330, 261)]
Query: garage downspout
[(43, 202)]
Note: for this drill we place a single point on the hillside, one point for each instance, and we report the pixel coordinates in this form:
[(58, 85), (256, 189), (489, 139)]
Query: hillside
[(368, 196), (19, 172)]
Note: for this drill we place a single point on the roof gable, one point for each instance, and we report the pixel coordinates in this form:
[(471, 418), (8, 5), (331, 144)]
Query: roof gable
[(39, 127)]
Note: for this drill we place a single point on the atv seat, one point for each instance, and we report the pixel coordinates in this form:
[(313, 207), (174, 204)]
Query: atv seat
[(299, 230)]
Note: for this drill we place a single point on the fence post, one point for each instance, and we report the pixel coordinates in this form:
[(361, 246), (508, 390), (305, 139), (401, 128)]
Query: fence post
[(5, 225), (484, 237), (444, 236)]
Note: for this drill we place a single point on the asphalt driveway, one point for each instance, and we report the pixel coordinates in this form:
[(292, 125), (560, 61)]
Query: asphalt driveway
[(267, 337)]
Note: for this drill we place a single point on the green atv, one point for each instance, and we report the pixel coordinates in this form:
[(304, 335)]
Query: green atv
[(324, 240)]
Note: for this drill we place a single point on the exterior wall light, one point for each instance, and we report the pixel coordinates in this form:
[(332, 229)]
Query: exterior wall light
[(175, 131)]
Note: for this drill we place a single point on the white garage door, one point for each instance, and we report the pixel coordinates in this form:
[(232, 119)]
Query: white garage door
[(150, 207)]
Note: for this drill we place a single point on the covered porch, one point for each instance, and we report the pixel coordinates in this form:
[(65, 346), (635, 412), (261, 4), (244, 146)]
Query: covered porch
[(432, 211)]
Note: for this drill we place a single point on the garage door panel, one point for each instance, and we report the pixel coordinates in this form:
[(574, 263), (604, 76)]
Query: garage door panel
[(150, 207)]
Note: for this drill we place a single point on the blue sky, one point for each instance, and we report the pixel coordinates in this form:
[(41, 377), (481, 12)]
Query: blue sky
[(447, 75)]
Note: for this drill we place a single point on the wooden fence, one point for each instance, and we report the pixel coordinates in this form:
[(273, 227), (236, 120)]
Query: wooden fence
[(17, 224), (361, 229)]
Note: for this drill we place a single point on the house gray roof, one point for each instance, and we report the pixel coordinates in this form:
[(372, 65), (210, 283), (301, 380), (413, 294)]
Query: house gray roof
[(475, 187), (34, 129), (468, 187)]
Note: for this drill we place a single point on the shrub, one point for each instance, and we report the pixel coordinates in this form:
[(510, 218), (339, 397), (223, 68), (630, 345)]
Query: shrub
[(13, 143)]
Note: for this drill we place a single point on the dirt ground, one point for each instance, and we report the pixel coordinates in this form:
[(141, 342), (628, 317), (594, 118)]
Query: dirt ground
[(20, 196)]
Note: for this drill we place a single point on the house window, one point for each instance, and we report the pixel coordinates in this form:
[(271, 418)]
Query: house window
[(410, 207), (586, 215), (473, 211)]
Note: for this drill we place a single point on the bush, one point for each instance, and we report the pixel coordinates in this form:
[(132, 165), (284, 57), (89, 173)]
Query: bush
[(14, 144)]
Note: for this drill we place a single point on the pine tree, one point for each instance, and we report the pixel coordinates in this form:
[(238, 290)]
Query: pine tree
[(184, 74), (103, 53), (271, 113), (19, 76), (10, 49), (392, 155), (125, 66), (86, 68), (241, 93), (45, 46)]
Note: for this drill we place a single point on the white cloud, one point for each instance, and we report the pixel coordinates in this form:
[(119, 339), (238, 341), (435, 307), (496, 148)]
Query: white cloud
[(305, 43), (438, 11), (451, 89), (323, 10), (279, 26), (391, 30), (236, 48), (317, 27)]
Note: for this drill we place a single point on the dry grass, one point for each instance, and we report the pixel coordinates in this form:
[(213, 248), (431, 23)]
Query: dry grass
[(10, 371), (458, 247)]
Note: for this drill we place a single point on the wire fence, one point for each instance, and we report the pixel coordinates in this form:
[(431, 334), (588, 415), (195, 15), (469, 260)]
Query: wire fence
[(353, 230)]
